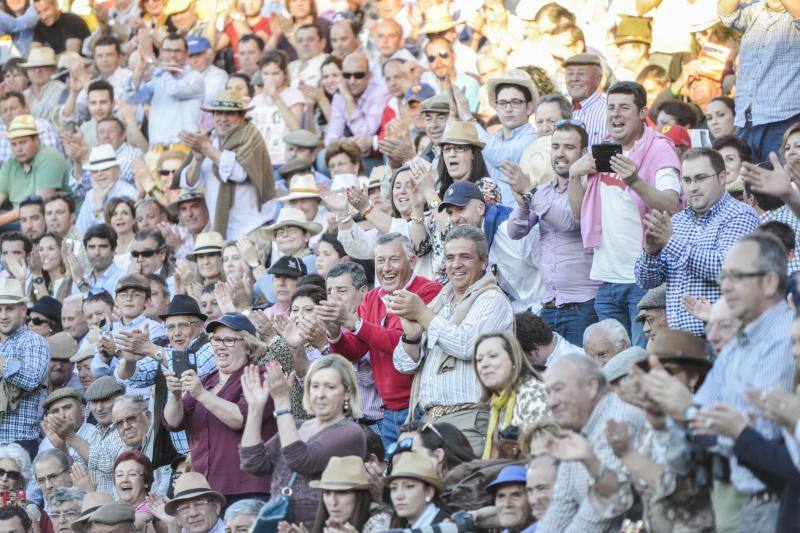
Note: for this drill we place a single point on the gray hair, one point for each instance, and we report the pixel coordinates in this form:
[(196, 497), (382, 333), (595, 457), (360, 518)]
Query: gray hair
[(249, 507), (587, 367), (64, 460), (17, 453), (356, 272), (135, 399), (615, 331), (771, 257), (564, 105), (405, 242), (63, 495), (465, 231)]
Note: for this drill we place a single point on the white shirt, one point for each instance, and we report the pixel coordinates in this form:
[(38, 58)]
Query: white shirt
[(270, 122), (517, 263), (309, 71), (563, 347)]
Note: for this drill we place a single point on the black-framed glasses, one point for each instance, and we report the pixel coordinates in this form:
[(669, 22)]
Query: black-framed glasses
[(13, 475), (356, 75), (228, 342), (569, 122), (456, 148), (739, 276), (49, 477), (145, 253), (514, 103), (444, 54)]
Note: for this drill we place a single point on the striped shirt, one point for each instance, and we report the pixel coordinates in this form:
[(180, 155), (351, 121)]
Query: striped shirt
[(371, 402), (592, 112), (27, 358), (758, 357), (491, 311)]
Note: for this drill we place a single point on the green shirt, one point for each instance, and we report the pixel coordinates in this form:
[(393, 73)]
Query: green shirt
[(49, 170)]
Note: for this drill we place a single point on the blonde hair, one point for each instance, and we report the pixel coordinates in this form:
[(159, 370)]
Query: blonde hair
[(253, 345), (521, 369), (543, 428), (346, 373)]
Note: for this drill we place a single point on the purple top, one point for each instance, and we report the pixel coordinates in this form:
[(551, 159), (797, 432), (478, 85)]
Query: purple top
[(214, 446), (565, 263), (307, 459), (365, 120)]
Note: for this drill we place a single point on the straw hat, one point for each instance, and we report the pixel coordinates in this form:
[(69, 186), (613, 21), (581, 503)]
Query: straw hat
[(438, 19), (227, 101), (301, 186), (415, 466), (177, 6), (290, 216), (461, 133), (189, 486), (377, 175), (516, 77), (343, 473), (102, 157), (91, 502), (41, 56), (22, 126), (209, 242), (11, 292)]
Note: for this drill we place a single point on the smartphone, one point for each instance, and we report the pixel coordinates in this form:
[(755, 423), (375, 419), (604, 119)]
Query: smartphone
[(182, 361), (602, 154)]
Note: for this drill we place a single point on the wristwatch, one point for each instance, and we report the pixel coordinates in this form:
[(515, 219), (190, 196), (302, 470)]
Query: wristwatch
[(38, 280), (254, 265), (356, 325), (528, 196), (690, 412), (279, 412)]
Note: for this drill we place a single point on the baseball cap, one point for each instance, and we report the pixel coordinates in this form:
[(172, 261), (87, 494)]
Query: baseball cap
[(419, 92), (678, 134), (235, 321), (196, 44), (288, 266), (459, 194)]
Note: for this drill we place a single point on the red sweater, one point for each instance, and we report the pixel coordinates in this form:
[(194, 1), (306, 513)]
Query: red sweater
[(379, 334)]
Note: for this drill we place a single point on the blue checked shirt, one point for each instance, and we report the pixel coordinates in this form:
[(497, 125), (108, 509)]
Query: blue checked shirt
[(758, 357), (692, 258), (27, 357), (145, 376), (784, 214)]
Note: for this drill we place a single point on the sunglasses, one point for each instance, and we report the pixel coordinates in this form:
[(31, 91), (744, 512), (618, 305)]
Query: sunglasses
[(431, 427), (10, 474), (444, 54), (356, 75), (36, 321), (400, 446), (94, 291), (570, 121), (144, 253), (165, 172)]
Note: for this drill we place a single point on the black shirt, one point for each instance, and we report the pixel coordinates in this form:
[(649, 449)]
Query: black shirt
[(68, 26)]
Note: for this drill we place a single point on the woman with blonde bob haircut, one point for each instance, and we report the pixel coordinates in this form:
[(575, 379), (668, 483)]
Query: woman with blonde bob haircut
[(301, 450), (512, 388)]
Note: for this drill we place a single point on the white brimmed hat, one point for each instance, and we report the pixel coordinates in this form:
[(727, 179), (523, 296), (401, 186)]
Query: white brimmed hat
[(290, 216), (102, 157), (11, 292), (41, 56), (301, 186)]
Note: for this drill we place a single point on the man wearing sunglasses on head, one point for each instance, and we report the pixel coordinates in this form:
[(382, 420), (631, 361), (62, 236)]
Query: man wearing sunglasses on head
[(442, 64)]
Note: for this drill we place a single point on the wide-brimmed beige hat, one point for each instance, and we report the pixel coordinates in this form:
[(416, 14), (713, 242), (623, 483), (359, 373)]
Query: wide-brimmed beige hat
[(301, 186), (343, 473), (41, 56), (189, 486), (102, 157), (290, 216), (22, 126), (516, 77), (227, 101), (209, 242), (91, 503), (462, 133), (438, 19), (377, 175), (11, 292), (415, 466)]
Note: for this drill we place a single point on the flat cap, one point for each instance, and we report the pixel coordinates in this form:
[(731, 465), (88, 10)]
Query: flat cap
[(583, 59), (301, 164), (133, 281), (113, 513), (617, 367), (87, 352), (60, 394), (302, 138), (437, 104), (654, 298), (62, 346), (102, 388)]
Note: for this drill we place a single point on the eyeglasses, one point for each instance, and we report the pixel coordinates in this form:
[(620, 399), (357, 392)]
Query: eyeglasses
[(456, 148), (66, 515), (173, 50), (49, 477), (196, 504), (570, 122), (356, 75), (228, 342), (700, 178), (738, 276), (181, 325), (36, 321), (145, 253), (513, 104), (444, 54), (165, 172), (14, 475), (127, 421), (94, 291)]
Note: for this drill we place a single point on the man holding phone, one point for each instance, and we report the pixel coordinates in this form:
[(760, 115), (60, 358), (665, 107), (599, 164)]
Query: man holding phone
[(642, 173)]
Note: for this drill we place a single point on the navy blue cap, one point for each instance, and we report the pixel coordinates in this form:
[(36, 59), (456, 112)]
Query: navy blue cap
[(460, 194), (288, 267), (510, 475), (196, 44), (419, 92), (236, 321)]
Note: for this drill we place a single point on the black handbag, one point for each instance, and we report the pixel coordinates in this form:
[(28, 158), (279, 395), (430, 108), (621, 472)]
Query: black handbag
[(277, 509)]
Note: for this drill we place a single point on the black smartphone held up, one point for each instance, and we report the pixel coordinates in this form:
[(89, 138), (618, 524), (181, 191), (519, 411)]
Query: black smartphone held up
[(602, 154), (182, 361)]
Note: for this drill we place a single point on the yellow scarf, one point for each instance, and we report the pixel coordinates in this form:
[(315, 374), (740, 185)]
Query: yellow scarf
[(500, 402)]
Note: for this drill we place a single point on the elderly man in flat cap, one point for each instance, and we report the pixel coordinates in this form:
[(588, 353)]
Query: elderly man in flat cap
[(112, 517), (64, 414), (653, 312)]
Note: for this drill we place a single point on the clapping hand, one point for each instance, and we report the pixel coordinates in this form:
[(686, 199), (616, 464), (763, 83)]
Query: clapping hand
[(658, 231), (335, 201), (672, 396), (518, 180), (16, 267), (699, 308), (358, 198), (776, 182), (569, 446), (264, 327), (290, 331), (280, 388), (618, 437), (255, 390), (81, 478), (406, 304), (777, 405), (719, 419)]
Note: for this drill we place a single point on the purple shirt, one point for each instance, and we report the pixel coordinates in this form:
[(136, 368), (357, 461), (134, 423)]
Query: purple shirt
[(565, 263), (365, 119)]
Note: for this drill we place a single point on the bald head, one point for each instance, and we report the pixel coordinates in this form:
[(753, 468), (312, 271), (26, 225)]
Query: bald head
[(355, 69)]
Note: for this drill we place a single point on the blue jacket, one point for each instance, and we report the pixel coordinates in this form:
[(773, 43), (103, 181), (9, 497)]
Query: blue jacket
[(492, 218)]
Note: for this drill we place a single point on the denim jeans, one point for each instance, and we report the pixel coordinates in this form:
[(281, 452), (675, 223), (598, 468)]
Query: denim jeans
[(765, 138), (621, 301), (390, 426), (570, 320)]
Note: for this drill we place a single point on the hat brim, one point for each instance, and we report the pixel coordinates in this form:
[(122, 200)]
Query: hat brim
[(284, 273), (16, 134), (341, 486), (462, 142), (630, 39), (176, 204), (204, 250), (131, 286), (312, 227), (494, 485), (701, 364), (298, 196), (438, 26), (91, 167), (11, 300), (82, 356), (201, 316), (212, 108), (173, 503), (436, 482), (34, 65), (211, 326), (494, 83), (444, 205)]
